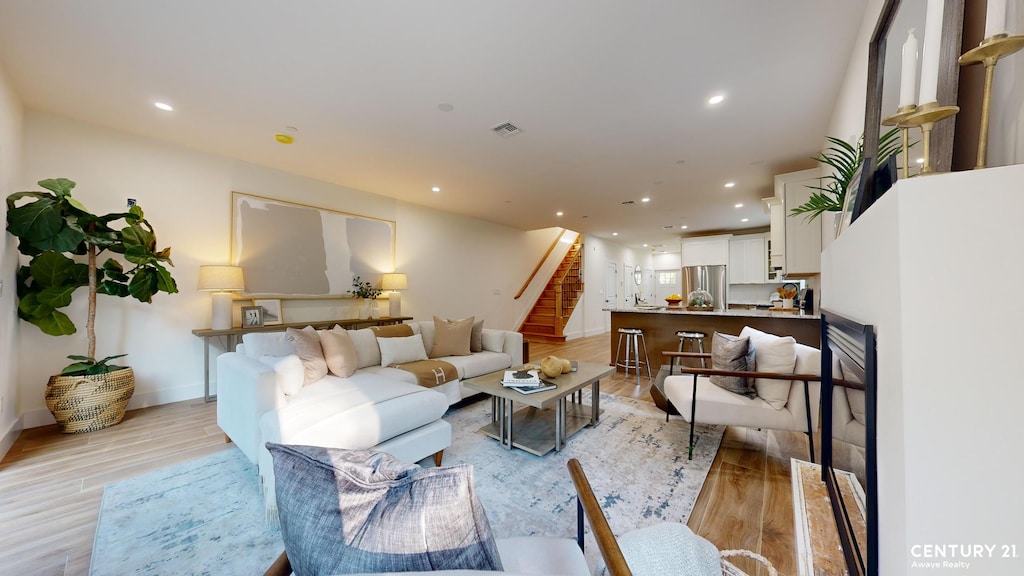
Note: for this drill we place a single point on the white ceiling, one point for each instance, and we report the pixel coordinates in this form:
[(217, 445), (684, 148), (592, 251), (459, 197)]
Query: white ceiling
[(611, 96)]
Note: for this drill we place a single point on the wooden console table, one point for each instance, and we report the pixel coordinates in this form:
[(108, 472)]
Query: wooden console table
[(232, 336)]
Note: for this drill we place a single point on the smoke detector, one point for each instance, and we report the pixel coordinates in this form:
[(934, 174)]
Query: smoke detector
[(506, 129)]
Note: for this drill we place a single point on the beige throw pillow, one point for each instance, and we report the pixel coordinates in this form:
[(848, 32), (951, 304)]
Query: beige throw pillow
[(339, 352), (476, 337), (451, 337), (307, 348), (392, 331)]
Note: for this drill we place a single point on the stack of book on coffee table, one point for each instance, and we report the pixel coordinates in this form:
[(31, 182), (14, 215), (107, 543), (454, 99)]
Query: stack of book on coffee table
[(525, 381)]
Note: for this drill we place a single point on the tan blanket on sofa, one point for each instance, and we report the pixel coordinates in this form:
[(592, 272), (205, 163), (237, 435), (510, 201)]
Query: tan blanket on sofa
[(430, 373)]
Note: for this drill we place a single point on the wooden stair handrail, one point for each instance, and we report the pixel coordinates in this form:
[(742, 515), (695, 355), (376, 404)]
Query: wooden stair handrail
[(606, 542), (539, 264)]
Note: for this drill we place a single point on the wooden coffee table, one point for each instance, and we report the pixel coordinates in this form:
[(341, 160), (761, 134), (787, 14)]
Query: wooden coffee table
[(549, 417)]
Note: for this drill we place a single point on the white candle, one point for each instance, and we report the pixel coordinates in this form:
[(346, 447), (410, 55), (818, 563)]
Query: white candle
[(995, 18), (908, 77), (930, 53)]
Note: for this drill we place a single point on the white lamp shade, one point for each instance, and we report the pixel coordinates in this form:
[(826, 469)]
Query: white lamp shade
[(216, 278), (394, 281)]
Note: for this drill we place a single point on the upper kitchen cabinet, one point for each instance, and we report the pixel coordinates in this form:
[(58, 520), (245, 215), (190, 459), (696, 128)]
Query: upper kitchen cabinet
[(776, 239), (802, 238), (748, 262), (706, 250)]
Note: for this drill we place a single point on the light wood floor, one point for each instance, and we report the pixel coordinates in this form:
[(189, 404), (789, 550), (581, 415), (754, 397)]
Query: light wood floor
[(51, 484)]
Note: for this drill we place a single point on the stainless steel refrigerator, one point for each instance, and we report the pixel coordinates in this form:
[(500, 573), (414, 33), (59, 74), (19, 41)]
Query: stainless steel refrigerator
[(714, 279)]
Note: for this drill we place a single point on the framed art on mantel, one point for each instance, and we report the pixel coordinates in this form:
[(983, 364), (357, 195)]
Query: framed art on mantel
[(290, 249)]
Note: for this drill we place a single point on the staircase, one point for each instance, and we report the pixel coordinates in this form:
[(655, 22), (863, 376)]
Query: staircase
[(546, 321)]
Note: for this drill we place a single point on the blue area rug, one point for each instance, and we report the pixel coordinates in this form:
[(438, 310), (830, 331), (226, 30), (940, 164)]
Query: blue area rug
[(206, 516), (200, 517)]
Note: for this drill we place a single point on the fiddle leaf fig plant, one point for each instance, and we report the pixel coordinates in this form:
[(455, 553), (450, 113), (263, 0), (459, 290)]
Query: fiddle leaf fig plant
[(52, 228), (844, 159)]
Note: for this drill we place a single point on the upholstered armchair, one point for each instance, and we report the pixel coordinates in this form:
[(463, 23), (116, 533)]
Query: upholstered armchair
[(784, 400)]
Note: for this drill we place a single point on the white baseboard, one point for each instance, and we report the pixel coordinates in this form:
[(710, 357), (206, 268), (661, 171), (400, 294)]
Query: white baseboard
[(42, 417), (595, 331), (10, 436)]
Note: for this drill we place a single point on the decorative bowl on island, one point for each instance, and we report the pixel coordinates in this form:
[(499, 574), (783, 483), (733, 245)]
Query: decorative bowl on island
[(674, 299)]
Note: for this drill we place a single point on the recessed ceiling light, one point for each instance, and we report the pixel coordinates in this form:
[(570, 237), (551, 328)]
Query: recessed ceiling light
[(437, 189), (645, 199), (164, 106), (740, 205), (559, 213), (683, 227), (730, 184), (645, 245), (615, 233), (716, 99), (920, 160), (745, 220)]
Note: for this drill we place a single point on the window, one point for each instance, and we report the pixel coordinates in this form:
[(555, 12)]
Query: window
[(668, 278)]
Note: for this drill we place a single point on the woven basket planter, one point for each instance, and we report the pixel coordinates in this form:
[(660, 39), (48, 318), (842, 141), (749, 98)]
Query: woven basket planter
[(89, 403)]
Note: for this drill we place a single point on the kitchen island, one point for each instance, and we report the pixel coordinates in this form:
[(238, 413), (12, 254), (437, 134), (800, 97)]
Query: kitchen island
[(660, 324)]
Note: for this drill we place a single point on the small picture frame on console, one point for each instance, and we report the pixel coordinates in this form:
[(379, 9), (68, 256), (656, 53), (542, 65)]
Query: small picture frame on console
[(252, 316), (271, 310)]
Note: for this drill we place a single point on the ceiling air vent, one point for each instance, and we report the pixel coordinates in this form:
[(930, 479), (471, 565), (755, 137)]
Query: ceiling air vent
[(629, 203), (669, 227), (505, 130)]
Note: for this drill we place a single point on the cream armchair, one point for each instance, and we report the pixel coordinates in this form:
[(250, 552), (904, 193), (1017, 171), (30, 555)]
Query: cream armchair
[(691, 392)]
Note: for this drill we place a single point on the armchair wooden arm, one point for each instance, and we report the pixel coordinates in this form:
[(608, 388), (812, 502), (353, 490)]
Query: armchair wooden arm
[(281, 567), (587, 505)]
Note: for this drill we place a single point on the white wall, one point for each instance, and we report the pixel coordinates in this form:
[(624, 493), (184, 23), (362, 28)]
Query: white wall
[(946, 409), (588, 319), (10, 159), (453, 263)]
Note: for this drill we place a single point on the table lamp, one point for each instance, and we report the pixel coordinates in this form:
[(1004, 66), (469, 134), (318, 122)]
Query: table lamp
[(394, 282), (222, 281)]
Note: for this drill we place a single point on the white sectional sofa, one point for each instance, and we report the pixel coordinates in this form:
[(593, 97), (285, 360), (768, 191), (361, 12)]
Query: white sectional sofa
[(377, 407)]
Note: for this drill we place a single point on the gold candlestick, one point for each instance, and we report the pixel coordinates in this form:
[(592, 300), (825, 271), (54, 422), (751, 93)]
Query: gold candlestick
[(988, 53), (926, 116), (897, 119)]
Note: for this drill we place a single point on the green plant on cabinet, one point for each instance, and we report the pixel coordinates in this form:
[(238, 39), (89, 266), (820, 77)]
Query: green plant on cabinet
[(845, 160)]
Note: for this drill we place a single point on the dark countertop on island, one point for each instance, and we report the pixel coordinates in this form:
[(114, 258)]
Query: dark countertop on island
[(661, 323)]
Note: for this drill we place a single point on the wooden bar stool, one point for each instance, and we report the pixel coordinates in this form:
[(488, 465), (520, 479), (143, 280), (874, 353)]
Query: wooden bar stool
[(634, 340), (686, 336)]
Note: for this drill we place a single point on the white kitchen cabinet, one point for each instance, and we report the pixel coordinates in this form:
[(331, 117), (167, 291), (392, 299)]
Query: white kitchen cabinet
[(802, 247), (776, 238), (706, 250), (748, 260)]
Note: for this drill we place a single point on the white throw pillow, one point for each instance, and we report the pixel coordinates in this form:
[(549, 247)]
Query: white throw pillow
[(493, 340), (367, 349), (401, 350), (772, 354), (291, 374)]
